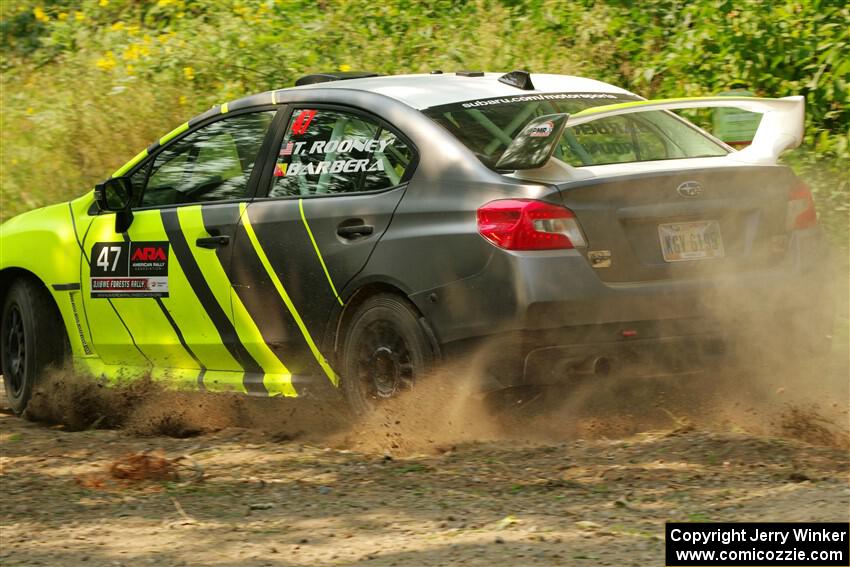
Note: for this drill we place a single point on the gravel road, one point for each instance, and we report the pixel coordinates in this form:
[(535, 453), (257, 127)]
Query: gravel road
[(420, 484)]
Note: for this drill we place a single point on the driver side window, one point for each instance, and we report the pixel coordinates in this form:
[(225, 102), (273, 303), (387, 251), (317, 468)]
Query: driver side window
[(213, 163)]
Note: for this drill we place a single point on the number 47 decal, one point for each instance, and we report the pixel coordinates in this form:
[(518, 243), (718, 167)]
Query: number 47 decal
[(103, 258)]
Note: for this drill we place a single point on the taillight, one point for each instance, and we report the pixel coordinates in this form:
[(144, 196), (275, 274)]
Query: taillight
[(524, 224), (801, 208)]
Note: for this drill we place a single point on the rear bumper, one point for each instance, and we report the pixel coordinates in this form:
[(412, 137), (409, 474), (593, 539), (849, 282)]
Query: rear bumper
[(556, 355), (526, 311), (544, 290)]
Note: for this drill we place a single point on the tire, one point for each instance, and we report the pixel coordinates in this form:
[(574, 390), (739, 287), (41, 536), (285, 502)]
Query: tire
[(32, 338), (385, 352)]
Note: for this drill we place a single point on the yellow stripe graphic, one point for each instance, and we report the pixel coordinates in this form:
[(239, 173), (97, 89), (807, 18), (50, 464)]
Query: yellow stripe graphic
[(316, 248), (191, 222), (176, 132), (183, 305), (127, 166), (286, 299)]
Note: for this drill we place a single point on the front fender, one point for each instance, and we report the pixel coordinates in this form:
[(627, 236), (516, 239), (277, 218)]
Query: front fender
[(45, 243)]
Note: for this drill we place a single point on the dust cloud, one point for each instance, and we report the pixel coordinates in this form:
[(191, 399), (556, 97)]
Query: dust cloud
[(778, 377)]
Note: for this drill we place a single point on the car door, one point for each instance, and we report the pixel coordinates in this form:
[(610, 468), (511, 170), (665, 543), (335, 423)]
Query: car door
[(159, 294), (338, 178)]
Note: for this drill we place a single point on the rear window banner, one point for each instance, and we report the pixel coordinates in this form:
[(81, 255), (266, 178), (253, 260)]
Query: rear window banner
[(544, 98), (129, 269)]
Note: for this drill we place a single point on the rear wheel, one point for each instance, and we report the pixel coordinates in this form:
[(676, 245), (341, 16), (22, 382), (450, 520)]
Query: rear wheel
[(31, 339), (385, 352)]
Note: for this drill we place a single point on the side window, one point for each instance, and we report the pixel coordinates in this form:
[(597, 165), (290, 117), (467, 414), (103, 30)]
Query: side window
[(331, 152), (210, 164)]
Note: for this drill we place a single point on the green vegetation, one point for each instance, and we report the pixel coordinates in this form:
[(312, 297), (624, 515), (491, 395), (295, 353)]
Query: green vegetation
[(87, 84)]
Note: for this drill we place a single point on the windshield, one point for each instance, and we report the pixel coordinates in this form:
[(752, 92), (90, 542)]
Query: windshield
[(487, 127)]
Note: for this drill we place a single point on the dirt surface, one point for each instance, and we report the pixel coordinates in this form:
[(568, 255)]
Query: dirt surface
[(278, 482)]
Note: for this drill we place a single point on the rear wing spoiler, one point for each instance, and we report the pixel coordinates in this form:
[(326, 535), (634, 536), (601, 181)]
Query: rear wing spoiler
[(781, 126)]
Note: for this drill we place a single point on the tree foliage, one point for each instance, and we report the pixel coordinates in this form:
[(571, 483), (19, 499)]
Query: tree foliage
[(86, 84)]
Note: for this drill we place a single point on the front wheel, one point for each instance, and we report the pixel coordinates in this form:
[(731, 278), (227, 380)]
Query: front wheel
[(31, 339), (385, 352)]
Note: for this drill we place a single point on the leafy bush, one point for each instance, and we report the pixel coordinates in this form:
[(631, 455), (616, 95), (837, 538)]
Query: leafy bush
[(87, 84)]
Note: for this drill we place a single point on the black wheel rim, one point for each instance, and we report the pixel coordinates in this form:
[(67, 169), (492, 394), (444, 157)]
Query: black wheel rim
[(15, 353), (384, 363)]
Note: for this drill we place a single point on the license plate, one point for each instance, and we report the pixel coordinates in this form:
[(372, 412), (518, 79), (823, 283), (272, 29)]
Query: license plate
[(683, 241)]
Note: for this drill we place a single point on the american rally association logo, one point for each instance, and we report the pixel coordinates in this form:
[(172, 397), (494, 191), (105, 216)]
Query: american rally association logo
[(690, 189), (149, 254)]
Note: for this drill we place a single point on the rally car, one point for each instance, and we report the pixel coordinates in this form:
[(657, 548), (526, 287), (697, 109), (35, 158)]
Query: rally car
[(354, 231)]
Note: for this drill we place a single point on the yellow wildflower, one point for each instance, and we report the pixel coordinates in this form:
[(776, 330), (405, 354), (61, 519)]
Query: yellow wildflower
[(345, 67), (117, 26), (182, 100), (39, 14), (62, 16), (107, 62), (131, 53), (103, 3), (130, 69), (30, 111), (79, 16), (189, 73)]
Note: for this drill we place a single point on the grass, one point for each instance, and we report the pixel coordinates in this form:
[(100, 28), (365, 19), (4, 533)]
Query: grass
[(87, 84)]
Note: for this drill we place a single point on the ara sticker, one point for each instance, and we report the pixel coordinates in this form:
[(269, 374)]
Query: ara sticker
[(542, 130), (129, 269), (302, 122)]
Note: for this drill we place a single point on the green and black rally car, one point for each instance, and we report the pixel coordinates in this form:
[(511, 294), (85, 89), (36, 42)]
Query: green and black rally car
[(355, 230)]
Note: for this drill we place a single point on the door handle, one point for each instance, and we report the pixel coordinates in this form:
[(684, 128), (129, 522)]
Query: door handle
[(353, 231), (212, 241)]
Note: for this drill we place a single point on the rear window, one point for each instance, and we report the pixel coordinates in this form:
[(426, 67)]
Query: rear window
[(488, 126)]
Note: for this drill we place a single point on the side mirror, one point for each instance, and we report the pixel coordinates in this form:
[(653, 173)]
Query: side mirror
[(533, 147), (116, 195), (113, 195)]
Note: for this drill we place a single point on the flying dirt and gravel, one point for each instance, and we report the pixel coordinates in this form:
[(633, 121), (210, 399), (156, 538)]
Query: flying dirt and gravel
[(139, 475)]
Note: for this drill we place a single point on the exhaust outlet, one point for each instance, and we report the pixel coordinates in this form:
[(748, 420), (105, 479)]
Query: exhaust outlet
[(602, 366)]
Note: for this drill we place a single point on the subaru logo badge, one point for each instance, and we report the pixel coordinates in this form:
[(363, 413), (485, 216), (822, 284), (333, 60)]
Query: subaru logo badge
[(689, 189)]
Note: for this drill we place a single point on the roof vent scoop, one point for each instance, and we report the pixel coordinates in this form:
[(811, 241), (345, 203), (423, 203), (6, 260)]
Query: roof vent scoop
[(518, 79), (338, 76)]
